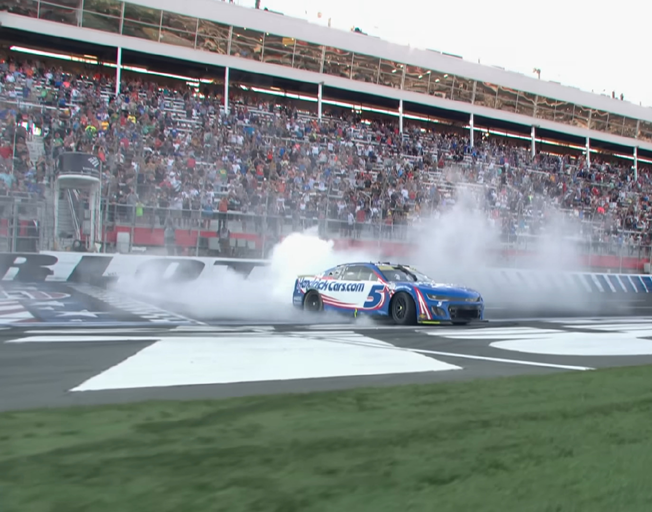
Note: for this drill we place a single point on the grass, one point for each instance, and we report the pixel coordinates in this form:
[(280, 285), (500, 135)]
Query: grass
[(570, 442)]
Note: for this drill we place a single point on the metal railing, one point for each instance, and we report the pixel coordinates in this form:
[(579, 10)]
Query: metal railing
[(237, 234)]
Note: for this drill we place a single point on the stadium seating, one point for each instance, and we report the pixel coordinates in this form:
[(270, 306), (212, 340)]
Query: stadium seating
[(167, 148)]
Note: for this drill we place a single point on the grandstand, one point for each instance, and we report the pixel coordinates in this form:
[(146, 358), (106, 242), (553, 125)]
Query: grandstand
[(222, 129)]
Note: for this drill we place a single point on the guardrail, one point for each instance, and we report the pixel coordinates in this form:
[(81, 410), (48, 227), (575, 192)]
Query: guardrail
[(505, 289)]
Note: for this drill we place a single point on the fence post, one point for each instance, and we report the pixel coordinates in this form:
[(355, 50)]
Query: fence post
[(133, 227), (198, 233), (106, 218), (15, 224)]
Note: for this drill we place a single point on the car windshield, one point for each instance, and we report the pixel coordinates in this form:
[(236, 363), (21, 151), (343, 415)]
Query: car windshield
[(399, 273)]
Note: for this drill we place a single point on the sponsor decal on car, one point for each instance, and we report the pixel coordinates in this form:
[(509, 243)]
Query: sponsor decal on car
[(332, 286)]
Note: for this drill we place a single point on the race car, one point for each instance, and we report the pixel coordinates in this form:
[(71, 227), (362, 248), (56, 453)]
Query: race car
[(399, 292)]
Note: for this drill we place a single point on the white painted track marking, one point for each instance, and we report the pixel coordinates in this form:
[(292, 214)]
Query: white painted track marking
[(96, 331), (617, 320), (375, 343), (580, 344), (361, 327), (488, 334), (179, 361), (605, 320), (617, 327), (223, 328), (83, 339), (501, 360), (610, 340)]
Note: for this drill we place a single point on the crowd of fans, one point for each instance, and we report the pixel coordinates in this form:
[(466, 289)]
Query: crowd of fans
[(168, 147)]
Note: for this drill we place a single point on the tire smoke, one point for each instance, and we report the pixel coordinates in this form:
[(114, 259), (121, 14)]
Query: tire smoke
[(263, 295), (460, 245)]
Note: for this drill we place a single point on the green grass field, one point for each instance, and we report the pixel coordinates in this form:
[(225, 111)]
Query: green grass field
[(565, 442)]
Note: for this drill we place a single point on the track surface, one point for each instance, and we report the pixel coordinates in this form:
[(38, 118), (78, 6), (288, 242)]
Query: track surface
[(57, 304), (40, 367), (68, 344)]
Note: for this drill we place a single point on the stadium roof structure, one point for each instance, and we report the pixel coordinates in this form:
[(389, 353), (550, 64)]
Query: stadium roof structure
[(319, 62)]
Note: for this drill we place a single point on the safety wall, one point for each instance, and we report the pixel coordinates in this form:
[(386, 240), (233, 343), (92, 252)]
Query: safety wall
[(105, 268)]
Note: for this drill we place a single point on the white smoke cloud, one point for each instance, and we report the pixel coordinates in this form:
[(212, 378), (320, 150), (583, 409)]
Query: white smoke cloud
[(459, 241), (264, 295), (464, 246), (460, 245), (305, 253)]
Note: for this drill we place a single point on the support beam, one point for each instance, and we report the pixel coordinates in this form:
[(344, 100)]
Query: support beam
[(14, 225), (118, 72), (320, 90), (588, 152), (400, 116), (13, 148), (226, 91), (92, 236), (533, 138), (55, 226), (471, 131)]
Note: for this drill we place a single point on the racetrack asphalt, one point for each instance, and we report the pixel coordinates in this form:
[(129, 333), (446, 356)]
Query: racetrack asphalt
[(108, 343), (42, 368)]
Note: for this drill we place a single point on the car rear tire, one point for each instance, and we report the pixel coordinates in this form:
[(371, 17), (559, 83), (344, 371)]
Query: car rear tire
[(312, 302), (403, 309)]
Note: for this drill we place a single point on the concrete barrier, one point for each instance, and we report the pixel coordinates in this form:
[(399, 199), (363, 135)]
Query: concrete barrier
[(510, 289), (102, 268), (82, 267)]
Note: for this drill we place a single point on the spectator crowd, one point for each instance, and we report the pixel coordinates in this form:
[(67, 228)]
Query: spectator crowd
[(168, 147)]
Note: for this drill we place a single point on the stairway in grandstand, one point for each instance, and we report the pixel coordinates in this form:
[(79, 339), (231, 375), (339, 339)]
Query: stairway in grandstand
[(69, 229)]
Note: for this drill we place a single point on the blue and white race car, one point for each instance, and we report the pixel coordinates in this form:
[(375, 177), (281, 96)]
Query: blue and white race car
[(399, 292)]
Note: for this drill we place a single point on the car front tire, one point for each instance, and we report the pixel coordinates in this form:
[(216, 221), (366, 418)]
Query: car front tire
[(403, 309)]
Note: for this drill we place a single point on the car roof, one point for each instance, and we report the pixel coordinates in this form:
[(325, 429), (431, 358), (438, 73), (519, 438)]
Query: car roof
[(371, 264)]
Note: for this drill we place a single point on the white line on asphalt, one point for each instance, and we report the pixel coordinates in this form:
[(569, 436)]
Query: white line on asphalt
[(83, 339), (223, 328), (351, 338), (357, 327), (491, 333), (92, 331), (501, 360)]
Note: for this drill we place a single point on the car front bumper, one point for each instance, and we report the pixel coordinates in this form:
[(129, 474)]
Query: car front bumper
[(452, 312)]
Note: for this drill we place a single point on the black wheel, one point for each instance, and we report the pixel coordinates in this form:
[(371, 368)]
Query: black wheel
[(462, 322), (403, 309), (312, 302)]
